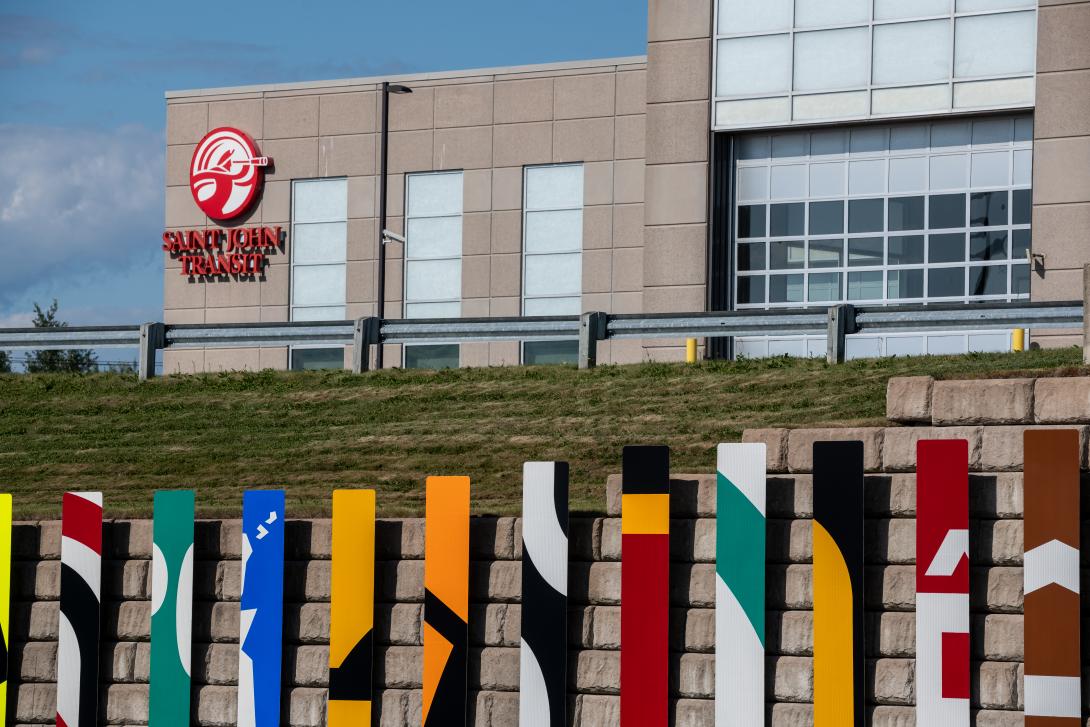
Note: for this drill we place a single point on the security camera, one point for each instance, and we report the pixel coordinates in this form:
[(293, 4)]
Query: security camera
[(388, 235)]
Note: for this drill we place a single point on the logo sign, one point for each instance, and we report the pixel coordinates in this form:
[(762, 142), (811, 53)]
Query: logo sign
[(225, 173)]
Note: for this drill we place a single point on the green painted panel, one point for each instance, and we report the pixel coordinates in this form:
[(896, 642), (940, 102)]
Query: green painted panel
[(740, 551), (172, 608)]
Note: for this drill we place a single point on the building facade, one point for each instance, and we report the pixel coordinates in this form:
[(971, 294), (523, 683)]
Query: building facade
[(763, 153)]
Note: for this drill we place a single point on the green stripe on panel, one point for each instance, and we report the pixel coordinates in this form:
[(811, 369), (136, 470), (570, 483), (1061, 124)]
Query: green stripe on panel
[(740, 551)]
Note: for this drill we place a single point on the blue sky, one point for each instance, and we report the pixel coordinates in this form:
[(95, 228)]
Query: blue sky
[(82, 110)]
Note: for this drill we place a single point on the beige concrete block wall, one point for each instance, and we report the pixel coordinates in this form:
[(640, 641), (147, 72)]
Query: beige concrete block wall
[(676, 179), (1061, 157), (931, 409), (489, 124)]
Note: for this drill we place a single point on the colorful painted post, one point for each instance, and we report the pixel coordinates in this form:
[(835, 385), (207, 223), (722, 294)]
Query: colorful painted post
[(645, 586), (544, 649), (838, 584), (942, 583), (740, 585), (5, 598), (1053, 694), (352, 608), (261, 631), (446, 600), (171, 608), (81, 606)]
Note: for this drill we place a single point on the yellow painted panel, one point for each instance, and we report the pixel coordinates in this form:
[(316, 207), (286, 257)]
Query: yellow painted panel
[(834, 675), (352, 602), (645, 514), (5, 589)]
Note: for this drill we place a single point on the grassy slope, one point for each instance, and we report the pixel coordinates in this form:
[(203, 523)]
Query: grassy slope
[(313, 432)]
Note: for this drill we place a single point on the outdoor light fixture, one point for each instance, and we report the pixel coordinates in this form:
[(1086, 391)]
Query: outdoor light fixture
[(385, 235)]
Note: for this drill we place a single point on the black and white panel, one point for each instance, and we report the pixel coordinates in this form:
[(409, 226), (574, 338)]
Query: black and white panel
[(544, 594)]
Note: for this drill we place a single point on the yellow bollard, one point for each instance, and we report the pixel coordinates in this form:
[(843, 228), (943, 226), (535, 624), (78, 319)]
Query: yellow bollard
[(690, 350), (1018, 339)]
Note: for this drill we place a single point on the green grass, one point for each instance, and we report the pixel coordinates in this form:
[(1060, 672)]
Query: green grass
[(313, 432)]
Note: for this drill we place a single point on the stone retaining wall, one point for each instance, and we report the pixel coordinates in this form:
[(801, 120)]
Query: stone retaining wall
[(594, 634)]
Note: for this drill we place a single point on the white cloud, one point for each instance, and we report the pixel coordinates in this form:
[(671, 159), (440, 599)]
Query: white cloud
[(77, 204)]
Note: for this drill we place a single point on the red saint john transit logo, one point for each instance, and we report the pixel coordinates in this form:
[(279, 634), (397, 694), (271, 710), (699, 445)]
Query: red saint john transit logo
[(225, 173)]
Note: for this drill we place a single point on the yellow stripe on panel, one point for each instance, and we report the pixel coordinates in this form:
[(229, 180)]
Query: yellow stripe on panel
[(834, 678), (645, 514), (5, 598), (352, 608)]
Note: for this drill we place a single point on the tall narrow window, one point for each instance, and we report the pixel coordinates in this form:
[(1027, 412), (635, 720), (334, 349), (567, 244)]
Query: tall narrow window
[(552, 268), (433, 260), (319, 241)]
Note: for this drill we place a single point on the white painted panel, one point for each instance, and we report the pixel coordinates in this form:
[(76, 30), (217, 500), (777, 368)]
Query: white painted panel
[(992, 94), (910, 99), (752, 112), (831, 105)]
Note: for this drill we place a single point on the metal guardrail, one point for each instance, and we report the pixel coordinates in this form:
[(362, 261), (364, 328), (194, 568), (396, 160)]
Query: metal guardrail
[(835, 323)]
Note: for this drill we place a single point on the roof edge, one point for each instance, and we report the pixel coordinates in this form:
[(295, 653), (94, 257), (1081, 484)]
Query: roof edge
[(406, 77)]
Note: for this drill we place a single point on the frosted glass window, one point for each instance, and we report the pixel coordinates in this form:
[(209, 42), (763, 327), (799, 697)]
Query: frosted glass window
[(908, 174), (908, 137), (748, 16), (867, 177), (789, 181), (827, 143), (433, 247), (432, 195), (831, 59), (994, 45), (991, 169), (912, 52), (434, 237), (991, 131), (896, 9), (813, 13), (950, 171), (753, 65), (318, 249), (320, 200), (950, 134), (555, 187), (552, 261), (553, 274), (869, 140), (790, 145), (554, 231), (827, 180), (433, 280), (322, 242), (318, 285), (1023, 166), (752, 183), (972, 6)]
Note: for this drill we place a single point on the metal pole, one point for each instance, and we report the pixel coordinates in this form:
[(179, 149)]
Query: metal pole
[(364, 334), (592, 328), (380, 293), (1086, 313), (841, 323), (152, 336)]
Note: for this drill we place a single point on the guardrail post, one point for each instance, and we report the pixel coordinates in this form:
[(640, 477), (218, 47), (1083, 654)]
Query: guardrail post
[(592, 329), (365, 333), (1086, 313), (152, 339), (841, 323)]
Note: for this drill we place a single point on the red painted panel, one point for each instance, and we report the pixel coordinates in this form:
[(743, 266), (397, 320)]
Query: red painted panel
[(645, 623)]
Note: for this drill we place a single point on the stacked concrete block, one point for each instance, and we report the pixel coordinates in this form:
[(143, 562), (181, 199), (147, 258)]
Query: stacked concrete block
[(936, 409)]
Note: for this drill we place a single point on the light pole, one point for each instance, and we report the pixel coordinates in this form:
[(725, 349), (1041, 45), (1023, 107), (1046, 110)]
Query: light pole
[(380, 294)]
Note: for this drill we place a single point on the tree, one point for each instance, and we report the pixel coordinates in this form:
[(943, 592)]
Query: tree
[(5, 363), (80, 361)]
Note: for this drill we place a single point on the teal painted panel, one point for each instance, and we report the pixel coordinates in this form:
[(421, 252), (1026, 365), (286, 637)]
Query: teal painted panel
[(172, 608)]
